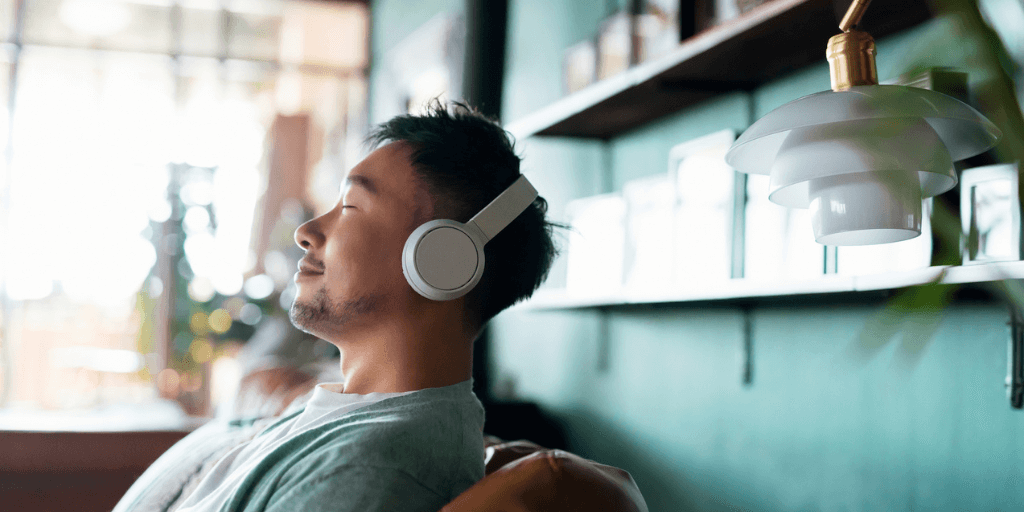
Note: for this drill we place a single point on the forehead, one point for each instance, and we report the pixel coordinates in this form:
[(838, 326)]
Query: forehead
[(387, 173)]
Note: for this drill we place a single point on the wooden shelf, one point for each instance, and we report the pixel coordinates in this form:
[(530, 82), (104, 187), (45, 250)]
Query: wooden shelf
[(769, 41), (745, 290)]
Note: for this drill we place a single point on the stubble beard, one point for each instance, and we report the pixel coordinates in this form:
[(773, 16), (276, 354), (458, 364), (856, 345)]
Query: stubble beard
[(322, 316)]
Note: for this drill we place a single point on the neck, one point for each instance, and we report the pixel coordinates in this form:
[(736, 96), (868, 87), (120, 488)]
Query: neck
[(425, 349)]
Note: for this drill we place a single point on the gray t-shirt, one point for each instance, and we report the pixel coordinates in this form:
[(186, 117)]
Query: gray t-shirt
[(403, 451)]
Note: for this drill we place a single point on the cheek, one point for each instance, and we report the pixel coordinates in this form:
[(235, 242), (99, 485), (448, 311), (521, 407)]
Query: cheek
[(369, 260)]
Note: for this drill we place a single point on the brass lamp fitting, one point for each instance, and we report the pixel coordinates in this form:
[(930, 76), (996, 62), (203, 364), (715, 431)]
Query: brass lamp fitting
[(851, 60), (853, 14)]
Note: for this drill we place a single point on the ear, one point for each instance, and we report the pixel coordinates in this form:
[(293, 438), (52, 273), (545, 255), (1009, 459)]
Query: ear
[(443, 259)]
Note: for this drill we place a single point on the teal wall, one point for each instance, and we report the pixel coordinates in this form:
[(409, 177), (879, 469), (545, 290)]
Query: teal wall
[(832, 421), (391, 21), (853, 406)]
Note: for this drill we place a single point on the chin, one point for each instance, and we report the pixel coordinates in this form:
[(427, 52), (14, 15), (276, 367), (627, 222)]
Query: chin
[(323, 315)]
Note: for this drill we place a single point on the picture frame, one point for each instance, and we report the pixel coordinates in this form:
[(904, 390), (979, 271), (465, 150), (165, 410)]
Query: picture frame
[(990, 213), (704, 210), (720, 11), (778, 242), (648, 244), (579, 66), (595, 249), (615, 45), (711, 13), (658, 28)]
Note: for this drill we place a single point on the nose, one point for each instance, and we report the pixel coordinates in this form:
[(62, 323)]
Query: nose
[(309, 235)]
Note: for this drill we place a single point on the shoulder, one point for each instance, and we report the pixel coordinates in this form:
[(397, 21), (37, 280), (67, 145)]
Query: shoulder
[(362, 488), (420, 417), (434, 440), (412, 427)]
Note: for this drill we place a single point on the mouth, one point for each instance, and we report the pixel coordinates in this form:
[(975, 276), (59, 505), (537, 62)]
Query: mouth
[(309, 266)]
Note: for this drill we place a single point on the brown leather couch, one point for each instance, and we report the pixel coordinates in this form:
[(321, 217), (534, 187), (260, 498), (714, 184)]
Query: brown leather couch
[(524, 477)]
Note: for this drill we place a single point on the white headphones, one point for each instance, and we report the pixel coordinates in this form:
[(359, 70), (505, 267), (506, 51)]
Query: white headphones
[(444, 259)]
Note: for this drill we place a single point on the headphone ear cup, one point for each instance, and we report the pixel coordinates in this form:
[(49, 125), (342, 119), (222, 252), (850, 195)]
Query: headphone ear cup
[(442, 260)]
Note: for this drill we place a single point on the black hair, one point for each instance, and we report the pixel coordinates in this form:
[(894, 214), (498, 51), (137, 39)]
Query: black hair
[(465, 160)]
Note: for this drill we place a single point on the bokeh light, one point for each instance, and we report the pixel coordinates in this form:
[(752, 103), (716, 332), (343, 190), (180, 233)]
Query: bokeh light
[(219, 321), (168, 382), (198, 323), (191, 382), (201, 289), (227, 282), (197, 220), (233, 306), (259, 287), (250, 314), (201, 350)]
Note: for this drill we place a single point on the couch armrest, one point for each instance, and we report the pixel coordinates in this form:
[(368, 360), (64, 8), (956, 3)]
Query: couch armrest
[(498, 453), (551, 481)]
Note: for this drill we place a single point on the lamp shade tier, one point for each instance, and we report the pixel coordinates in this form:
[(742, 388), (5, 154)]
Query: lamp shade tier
[(962, 129), (865, 208), (899, 145)]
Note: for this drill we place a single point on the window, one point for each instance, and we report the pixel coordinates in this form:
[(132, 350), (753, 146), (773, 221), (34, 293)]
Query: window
[(130, 140)]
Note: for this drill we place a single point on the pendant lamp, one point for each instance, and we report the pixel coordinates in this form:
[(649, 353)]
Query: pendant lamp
[(862, 156)]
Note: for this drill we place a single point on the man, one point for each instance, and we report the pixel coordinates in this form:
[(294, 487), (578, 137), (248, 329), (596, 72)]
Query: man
[(404, 430)]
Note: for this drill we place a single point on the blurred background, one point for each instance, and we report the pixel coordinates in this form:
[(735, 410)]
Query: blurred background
[(158, 155)]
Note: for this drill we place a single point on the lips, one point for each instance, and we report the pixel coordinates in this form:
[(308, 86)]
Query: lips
[(310, 265)]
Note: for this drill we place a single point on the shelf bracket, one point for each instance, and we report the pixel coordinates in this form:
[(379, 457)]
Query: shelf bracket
[(604, 341), (747, 361), (1015, 358)]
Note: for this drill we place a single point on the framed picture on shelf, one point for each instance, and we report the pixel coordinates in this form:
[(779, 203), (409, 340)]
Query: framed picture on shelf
[(595, 249), (648, 245), (614, 45), (579, 66), (702, 220), (658, 30), (743, 6), (778, 241), (720, 11), (716, 12), (990, 213)]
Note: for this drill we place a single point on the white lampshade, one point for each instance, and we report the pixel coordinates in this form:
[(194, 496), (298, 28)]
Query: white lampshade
[(863, 158), (865, 208)]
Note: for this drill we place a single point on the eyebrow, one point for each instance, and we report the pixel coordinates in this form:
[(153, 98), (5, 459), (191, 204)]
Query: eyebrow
[(362, 181)]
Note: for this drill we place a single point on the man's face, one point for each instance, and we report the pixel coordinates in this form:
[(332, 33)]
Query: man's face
[(353, 266)]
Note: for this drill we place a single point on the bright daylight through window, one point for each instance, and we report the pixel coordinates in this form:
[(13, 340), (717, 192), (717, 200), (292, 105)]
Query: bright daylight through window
[(135, 257)]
